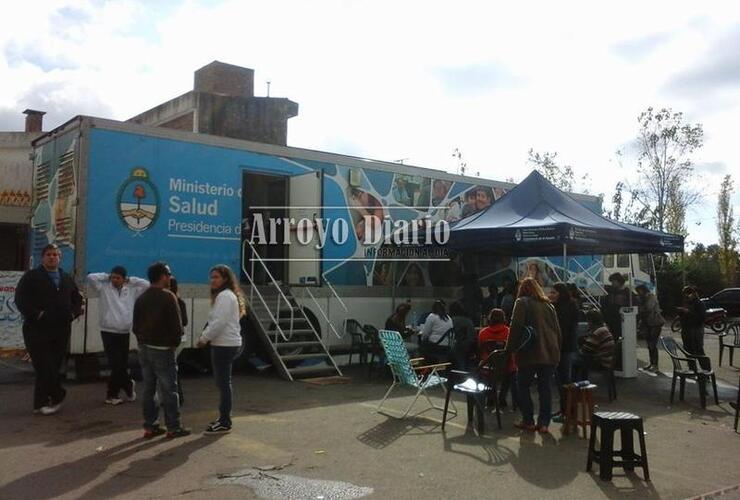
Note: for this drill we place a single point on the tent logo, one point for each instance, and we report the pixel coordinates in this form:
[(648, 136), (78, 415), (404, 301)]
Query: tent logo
[(518, 235), (138, 201)]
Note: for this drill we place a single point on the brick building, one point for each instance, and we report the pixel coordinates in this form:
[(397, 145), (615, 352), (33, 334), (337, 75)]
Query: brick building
[(223, 103), (16, 177)]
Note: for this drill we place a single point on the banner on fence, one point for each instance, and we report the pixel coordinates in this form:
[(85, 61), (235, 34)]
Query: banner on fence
[(11, 322)]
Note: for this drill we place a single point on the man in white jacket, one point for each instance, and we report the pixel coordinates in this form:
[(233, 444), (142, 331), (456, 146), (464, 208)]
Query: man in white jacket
[(118, 292)]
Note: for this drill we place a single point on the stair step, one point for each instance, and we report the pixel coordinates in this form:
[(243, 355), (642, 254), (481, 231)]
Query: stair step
[(293, 345), (300, 357), (310, 370)]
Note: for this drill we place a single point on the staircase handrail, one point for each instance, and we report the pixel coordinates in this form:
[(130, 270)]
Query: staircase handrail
[(261, 297), (587, 296), (323, 313), (334, 292)]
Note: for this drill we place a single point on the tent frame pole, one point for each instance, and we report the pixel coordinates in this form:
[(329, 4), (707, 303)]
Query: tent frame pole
[(393, 287), (565, 262)]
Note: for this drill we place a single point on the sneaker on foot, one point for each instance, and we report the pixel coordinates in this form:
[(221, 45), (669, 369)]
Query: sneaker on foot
[(113, 401), (180, 432), (153, 432), (131, 393), (218, 428), (558, 418), (51, 410)]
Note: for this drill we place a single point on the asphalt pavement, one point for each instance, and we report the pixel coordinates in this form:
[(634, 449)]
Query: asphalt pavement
[(303, 440)]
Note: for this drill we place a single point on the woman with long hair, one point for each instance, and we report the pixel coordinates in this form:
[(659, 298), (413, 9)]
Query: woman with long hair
[(223, 333), (436, 332), (538, 358)]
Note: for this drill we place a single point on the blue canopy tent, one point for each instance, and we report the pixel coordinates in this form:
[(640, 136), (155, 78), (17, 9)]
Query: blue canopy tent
[(536, 218)]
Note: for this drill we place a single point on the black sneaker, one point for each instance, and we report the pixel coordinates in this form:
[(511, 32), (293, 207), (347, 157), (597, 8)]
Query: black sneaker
[(218, 428), (180, 432), (153, 432)]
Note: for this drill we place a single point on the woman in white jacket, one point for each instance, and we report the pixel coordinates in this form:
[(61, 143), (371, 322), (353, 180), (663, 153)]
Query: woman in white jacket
[(223, 333)]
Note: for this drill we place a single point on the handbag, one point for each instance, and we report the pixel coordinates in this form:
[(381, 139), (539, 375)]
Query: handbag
[(530, 332)]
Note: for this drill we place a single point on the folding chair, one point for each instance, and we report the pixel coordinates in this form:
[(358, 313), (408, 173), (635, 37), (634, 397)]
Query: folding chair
[(407, 372)]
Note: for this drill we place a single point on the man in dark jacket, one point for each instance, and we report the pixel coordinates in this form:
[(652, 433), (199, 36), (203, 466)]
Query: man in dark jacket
[(49, 300), (617, 297), (693, 315), (158, 328)]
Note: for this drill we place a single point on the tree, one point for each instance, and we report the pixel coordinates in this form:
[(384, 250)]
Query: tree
[(726, 228), (623, 206), (665, 145), (675, 213), (561, 176)]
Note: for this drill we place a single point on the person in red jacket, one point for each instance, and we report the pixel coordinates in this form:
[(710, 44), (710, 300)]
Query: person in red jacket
[(497, 331)]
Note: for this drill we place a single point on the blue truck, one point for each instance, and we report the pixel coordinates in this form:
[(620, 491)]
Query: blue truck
[(118, 193)]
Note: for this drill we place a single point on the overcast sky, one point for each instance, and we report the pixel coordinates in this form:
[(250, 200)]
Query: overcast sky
[(406, 80)]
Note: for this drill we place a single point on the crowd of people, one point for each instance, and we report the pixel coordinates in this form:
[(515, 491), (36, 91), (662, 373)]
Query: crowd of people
[(557, 353), (49, 301), (538, 332)]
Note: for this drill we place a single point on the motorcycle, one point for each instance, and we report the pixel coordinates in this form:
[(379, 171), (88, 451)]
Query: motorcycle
[(716, 320)]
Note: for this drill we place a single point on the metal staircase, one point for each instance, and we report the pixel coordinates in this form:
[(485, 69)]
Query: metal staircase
[(294, 343)]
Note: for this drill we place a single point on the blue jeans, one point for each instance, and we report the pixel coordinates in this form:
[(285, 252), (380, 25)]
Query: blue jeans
[(159, 371), (525, 377), (222, 360)]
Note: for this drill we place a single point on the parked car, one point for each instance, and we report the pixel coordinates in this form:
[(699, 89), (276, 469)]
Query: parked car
[(728, 299)]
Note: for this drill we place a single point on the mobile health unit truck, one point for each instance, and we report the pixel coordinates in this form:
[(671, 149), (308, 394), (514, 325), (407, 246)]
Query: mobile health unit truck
[(117, 193)]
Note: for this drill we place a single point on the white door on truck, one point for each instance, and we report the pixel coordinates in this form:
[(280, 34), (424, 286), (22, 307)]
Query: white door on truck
[(304, 199)]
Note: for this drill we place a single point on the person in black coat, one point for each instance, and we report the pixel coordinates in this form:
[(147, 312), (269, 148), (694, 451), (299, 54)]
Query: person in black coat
[(693, 315), (567, 312), (617, 296), (49, 301)]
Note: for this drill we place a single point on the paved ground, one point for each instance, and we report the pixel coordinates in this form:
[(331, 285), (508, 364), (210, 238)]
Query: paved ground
[(330, 433)]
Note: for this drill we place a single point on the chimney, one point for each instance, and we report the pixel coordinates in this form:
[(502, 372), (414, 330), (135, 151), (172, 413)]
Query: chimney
[(34, 120), (224, 79)]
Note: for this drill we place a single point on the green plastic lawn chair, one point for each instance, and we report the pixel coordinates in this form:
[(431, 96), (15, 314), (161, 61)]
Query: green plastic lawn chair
[(408, 372)]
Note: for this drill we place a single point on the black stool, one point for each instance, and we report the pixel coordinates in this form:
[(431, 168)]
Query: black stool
[(608, 423)]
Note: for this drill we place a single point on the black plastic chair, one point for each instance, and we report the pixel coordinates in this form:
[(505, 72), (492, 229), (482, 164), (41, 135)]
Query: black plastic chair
[(675, 352), (479, 386), (353, 328), (732, 334), (375, 348)]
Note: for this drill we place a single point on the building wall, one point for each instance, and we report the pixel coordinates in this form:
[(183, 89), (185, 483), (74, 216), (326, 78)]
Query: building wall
[(16, 174), (258, 119), (169, 112), (16, 178), (222, 103)]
